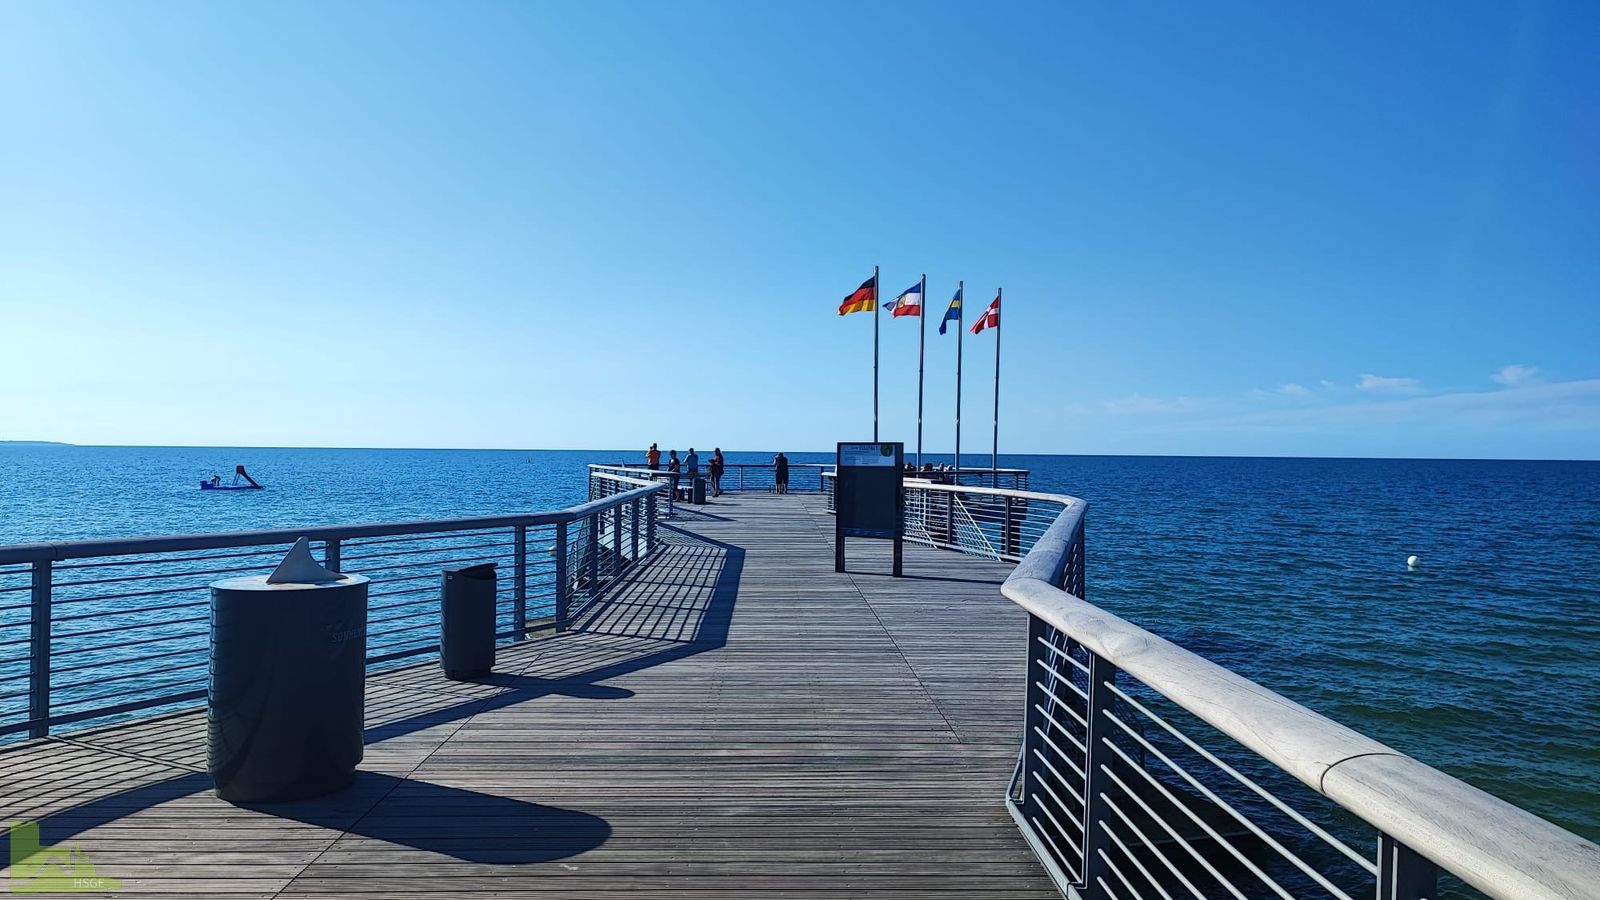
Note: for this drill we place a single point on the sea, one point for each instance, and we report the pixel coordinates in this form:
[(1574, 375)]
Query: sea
[(1483, 660)]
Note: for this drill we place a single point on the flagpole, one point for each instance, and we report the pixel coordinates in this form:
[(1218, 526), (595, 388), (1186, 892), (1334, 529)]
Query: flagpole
[(994, 459), (875, 354), (961, 326), (922, 354)]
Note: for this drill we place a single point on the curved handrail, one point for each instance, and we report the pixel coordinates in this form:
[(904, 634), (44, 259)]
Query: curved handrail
[(1492, 845)]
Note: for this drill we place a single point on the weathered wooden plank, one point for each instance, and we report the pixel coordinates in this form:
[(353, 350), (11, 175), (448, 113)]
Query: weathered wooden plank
[(736, 720)]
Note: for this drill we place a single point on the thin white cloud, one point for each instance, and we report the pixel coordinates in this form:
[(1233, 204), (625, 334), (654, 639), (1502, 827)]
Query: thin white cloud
[(1294, 390), (1564, 405), (1370, 382), (1516, 375)]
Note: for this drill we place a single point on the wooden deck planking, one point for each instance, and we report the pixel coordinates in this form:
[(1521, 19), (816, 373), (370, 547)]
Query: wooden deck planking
[(736, 720)]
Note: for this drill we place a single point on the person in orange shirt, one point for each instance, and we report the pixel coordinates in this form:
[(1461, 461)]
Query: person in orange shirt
[(652, 457)]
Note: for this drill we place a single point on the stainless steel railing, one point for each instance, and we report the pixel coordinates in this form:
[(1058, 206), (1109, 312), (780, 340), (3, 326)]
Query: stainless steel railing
[(91, 630), (804, 478), (1148, 771), (995, 523)]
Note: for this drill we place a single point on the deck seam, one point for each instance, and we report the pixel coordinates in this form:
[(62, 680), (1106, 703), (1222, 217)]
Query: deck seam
[(917, 676)]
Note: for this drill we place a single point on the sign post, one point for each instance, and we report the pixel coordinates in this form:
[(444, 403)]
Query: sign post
[(867, 497)]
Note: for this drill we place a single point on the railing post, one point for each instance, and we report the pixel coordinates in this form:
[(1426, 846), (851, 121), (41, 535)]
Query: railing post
[(519, 591), (950, 519), (1403, 874), (39, 652), (1013, 529), (634, 521), (650, 525), (330, 554), (1097, 784), (562, 586), (616, 539), (591, 567), (741, 479)]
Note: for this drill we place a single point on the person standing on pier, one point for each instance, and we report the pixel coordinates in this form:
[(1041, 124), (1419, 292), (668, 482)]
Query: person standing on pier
[(780, 473), (717, 465), (691, 462), (652, 457), (672, 470)]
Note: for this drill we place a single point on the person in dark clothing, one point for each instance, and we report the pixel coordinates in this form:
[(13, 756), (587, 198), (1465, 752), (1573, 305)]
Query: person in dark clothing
[(780, 473), (718, 464)]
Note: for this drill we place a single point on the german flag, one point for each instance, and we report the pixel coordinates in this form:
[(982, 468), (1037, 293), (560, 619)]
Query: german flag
[(865, 298)]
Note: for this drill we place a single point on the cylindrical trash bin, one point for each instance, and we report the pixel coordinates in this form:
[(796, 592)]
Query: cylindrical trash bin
[(466, 622), (288, 678), (699, 490)]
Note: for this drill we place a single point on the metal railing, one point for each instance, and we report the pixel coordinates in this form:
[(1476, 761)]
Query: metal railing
[(991, 522), (804, 478), (91, 630), (1148, 771)]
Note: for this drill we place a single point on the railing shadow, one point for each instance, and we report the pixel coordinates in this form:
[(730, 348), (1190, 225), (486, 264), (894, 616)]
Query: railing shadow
[(678, 604), (466, 825)]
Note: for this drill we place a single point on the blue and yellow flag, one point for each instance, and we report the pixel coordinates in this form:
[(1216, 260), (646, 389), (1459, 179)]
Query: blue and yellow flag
[(953, 314)]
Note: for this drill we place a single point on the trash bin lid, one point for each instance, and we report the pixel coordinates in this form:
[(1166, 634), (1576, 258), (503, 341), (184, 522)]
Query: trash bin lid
[(479, 570), (260, 583), (297, 572)]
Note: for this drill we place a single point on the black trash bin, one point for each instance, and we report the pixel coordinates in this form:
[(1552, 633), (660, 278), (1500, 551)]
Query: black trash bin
[(699, 495), (466, 617), (288, 678)]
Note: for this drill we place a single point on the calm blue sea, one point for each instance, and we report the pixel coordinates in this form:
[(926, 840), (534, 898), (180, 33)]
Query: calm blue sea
[(1483, 661)]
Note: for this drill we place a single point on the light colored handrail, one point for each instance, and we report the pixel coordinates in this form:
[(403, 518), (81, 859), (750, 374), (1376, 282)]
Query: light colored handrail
[(1490, 844)]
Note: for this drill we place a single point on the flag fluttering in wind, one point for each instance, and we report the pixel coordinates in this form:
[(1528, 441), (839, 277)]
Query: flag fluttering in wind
[(953, 314), (864, 299), (909, 303), (990, 317)]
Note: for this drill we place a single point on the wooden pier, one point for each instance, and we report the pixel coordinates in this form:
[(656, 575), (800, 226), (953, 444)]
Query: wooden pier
[(734, 719)]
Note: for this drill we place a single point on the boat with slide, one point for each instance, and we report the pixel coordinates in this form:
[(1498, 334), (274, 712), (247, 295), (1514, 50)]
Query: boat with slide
[(247, 484)]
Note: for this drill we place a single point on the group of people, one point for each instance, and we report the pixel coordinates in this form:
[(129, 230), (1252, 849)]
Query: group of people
[(940, 474), (690, 466)]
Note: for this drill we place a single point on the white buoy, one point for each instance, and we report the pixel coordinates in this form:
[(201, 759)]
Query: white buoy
[(1411, 561)]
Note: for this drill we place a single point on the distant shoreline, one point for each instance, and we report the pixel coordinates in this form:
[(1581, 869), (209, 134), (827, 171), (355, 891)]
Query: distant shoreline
[(981, 455)]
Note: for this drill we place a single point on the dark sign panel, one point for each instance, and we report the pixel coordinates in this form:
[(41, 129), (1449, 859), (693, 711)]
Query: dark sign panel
[(868, 501)]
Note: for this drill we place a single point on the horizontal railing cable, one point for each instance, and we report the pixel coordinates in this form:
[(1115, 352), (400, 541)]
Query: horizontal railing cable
[(125, 620), (1116, 799)]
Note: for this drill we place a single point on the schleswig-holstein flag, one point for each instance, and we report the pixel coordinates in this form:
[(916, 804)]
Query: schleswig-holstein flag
[(909, 303)]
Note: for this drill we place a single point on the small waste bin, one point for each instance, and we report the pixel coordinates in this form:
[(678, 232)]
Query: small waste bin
[(288, 678), (699, 491), (466, 617)]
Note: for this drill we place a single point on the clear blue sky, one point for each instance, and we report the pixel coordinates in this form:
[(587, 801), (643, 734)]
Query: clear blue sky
[(1303, 229)]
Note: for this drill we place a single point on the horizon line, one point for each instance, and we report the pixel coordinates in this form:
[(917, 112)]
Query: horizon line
[(40, 443)]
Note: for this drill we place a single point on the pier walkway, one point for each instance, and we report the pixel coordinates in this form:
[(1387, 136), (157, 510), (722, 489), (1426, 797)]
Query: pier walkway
[(733, 720)]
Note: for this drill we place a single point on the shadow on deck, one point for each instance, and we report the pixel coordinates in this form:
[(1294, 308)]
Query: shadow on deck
[(837, 734)]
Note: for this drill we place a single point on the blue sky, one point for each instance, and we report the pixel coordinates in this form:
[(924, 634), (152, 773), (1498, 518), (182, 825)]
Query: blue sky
[(1338, 229)]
